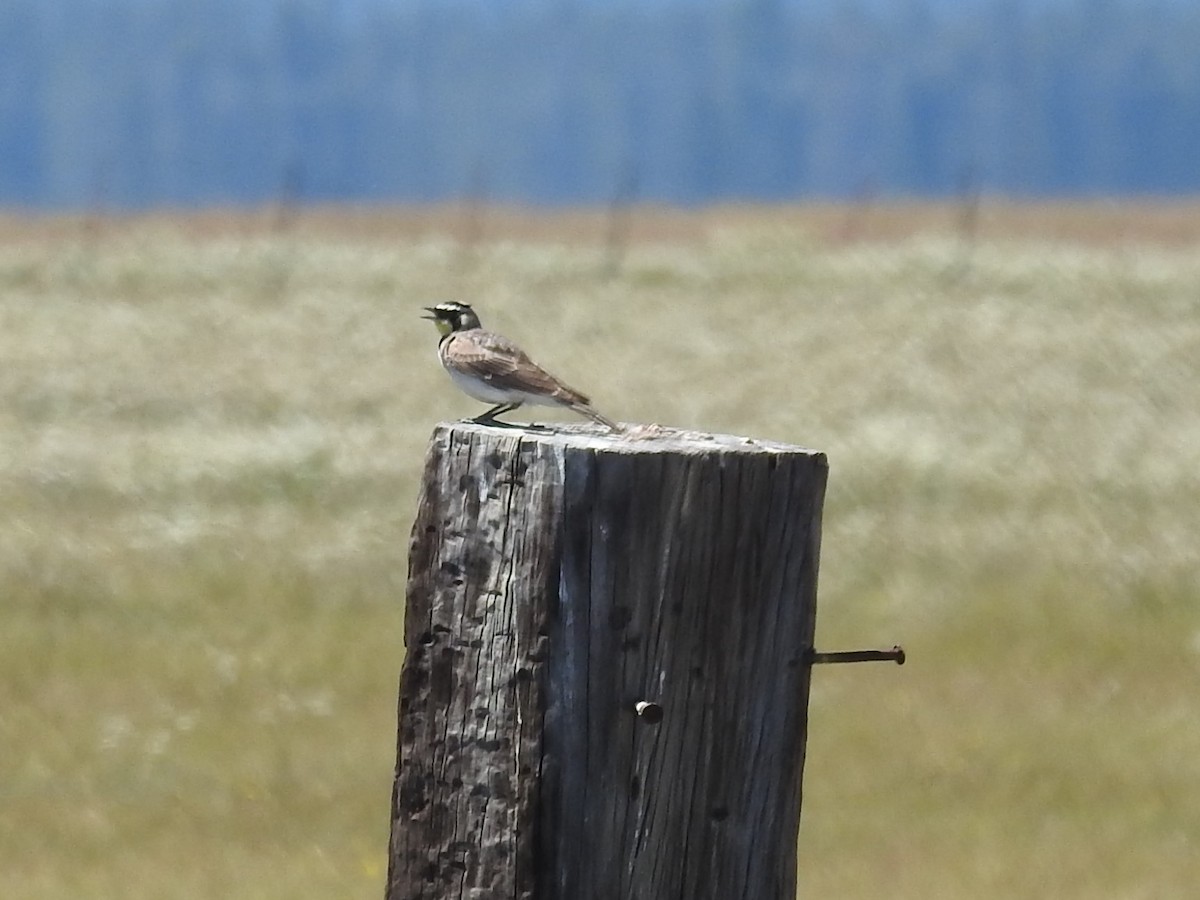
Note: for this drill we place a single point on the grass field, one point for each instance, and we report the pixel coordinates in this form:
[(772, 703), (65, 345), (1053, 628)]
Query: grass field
[(211, 429)]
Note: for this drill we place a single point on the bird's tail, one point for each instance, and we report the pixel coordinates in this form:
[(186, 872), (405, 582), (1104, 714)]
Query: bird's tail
[(585, 410)]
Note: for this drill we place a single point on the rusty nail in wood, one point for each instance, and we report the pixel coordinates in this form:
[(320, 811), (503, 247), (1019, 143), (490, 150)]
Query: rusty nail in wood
[(896, 655)]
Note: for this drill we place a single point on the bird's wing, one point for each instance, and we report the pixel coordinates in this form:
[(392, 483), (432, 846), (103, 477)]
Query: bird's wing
[(504, 366)]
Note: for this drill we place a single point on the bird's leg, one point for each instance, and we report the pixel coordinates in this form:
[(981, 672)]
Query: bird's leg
[(528, 426), (489, 418)]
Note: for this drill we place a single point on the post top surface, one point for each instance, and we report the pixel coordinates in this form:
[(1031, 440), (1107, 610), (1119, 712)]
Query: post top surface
[(632, 439)]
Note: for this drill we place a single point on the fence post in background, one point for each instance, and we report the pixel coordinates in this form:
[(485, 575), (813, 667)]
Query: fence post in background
[(609, 640)]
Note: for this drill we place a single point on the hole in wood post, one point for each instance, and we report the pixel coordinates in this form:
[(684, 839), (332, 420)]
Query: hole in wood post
[(537, 656), (620, 617), (650, 713)]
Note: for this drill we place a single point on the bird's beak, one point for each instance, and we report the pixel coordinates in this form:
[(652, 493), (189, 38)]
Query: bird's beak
[(432, 310)]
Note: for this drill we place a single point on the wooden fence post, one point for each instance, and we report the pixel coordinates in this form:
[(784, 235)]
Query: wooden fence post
[(605, 690)]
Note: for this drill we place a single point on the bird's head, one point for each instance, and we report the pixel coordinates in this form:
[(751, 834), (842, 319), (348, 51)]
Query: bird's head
[(452, 316)]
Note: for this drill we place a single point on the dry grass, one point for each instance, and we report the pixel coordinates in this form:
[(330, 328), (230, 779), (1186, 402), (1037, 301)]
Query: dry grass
[(212, 428)]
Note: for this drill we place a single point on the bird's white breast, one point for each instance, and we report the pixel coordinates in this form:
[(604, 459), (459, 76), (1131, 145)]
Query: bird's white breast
[(480, 389)]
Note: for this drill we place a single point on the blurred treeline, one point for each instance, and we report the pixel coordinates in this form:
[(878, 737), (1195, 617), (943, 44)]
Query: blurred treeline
[(142, 102)]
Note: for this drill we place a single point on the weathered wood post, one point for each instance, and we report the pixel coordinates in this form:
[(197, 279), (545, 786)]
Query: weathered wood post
[(605, 690)]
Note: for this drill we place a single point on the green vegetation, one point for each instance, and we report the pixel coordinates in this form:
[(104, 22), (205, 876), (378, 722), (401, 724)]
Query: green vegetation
[(211, 435)]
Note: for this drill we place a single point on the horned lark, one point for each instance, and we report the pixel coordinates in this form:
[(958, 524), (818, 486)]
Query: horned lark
[(493, 369)]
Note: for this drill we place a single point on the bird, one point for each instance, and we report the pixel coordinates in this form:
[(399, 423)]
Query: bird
[(493, 369)]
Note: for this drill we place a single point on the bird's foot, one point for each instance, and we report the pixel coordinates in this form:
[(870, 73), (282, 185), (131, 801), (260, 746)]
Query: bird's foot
[(499, 423)]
